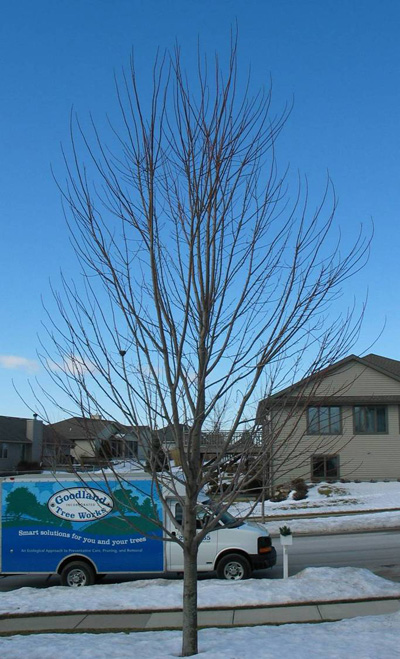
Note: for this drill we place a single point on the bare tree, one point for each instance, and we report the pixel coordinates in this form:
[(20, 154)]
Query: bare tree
[(203, 284)]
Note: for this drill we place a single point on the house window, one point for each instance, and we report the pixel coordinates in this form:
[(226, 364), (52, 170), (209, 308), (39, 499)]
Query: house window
[(26, 454), (131, 449), (112, 448), (3, 450), (324, 467), (324, 420), (370, 419)]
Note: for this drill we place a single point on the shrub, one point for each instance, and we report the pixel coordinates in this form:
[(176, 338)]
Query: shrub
[(325, 490), (27, 465), (285, 530), (300, 488), (255, 486), (331, 490), (281, 493), (278, 497)]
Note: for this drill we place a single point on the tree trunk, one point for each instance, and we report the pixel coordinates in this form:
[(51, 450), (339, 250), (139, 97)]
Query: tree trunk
[(189, 625)]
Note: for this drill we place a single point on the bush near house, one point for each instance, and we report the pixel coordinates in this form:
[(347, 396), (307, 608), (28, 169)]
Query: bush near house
[(300, 488)]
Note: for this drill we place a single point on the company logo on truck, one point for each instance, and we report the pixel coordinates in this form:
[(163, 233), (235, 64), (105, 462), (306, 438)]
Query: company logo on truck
[(80, 504)]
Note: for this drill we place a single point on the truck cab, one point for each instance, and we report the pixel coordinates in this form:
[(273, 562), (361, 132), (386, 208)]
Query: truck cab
[(233, 548)]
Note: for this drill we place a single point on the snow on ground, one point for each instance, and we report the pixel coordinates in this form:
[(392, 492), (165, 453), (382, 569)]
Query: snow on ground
[(310, 585), (345, 524), (339, 497), (367, 638), (333, 498)]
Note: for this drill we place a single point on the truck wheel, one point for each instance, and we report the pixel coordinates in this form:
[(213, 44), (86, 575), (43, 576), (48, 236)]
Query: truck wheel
[(233, 566), (77, 574)]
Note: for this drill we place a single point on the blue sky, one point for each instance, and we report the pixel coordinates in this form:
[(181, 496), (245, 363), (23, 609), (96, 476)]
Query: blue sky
[(339, 61)]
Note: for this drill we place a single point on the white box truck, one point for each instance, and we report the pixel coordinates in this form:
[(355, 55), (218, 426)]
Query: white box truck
[(83, 528)]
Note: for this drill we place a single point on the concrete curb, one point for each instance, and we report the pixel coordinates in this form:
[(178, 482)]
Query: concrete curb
[(337, 513), (301, 534), (156, 620)]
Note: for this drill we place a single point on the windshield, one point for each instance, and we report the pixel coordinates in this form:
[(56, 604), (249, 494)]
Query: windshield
[(226, 518)]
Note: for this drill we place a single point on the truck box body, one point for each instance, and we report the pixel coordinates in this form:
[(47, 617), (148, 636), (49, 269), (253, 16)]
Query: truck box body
[(51, 521), (46, 520)]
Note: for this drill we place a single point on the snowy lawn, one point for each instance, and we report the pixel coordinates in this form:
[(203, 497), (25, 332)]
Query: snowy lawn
[(361, 638), (310, 585), (332, 498), (345, 524), (338, 497)]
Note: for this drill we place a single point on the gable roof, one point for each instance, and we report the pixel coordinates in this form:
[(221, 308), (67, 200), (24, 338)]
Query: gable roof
[(387, 366), (77, 428), (13, 429), (80, 428), (384, 365)]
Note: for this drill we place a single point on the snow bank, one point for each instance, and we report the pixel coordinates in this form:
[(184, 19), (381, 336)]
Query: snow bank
[(312, 584)]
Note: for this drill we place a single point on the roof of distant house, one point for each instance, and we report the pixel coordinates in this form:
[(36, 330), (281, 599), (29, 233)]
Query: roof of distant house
[(13, 429), (76, 428)]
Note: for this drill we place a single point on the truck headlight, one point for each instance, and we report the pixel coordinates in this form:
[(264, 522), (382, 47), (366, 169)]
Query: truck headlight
[(264, 544)]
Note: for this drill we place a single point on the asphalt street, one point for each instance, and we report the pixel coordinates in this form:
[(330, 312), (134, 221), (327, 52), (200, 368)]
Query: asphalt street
[(378, 552)]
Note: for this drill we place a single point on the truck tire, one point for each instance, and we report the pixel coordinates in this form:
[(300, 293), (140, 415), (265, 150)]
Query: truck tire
[(234, 567), (77, 574)]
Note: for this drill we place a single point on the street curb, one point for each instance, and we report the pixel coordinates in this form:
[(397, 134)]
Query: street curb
[(348, 513), (298, 534), (317, 516)]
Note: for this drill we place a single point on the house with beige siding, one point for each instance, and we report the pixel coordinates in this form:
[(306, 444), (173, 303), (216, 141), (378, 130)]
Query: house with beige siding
[(343, 422), (95, 441)]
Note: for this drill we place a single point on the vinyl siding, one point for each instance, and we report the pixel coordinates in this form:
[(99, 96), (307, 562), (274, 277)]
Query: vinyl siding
[(363, 456), (83, 449), (15, 451), (356, 380)]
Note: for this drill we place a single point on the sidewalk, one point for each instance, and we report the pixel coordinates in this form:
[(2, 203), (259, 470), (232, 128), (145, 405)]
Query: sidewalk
[(106, 621)]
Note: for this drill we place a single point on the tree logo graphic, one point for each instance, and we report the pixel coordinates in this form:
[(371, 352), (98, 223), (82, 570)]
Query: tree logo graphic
[(80, 504)]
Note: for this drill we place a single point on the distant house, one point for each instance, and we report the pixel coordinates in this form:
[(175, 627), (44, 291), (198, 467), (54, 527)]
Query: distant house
[(95, 441), (343, 422), (20, 444), (213, 442), (56, 449), (167, 436)]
